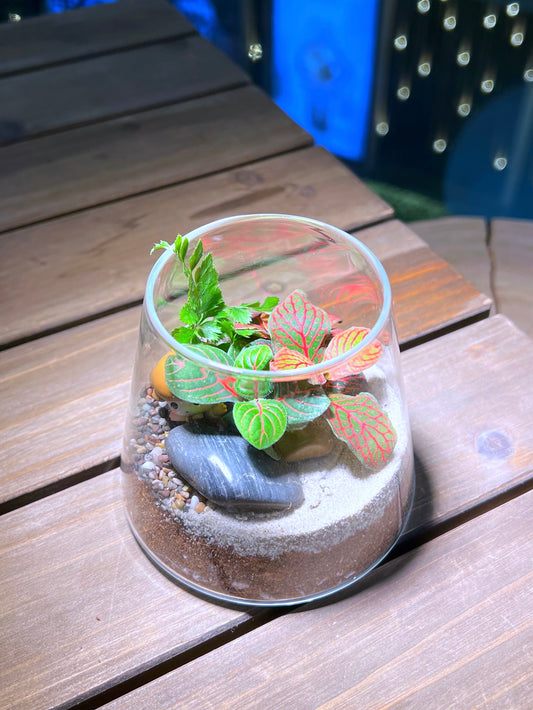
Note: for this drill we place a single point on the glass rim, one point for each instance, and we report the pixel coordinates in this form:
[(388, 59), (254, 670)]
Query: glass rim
[(300, 373)]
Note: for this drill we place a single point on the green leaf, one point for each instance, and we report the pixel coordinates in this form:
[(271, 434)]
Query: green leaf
[(184, 334), (237, 314), (252, 388), (205, 293), (210, 331), (198, 384), (268, 304), (298, 325), (160, 245), (183, 249), (188, 314), (261, 422), (253, 357), (303, 402), (364, 426), (196, 255)]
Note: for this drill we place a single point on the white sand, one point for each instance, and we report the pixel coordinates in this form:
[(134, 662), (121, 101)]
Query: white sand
[(340, 497)]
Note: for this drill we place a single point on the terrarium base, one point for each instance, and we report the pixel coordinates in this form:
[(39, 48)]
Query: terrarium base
[(292, 577)]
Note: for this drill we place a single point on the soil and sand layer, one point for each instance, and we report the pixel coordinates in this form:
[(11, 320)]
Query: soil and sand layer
[(349, 518)]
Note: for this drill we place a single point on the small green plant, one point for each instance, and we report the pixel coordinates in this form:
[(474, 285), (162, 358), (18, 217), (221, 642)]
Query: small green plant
[(205, 316), (275, 337)]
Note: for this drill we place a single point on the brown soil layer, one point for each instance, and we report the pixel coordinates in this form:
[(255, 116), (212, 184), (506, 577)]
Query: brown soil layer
[(292, 575)]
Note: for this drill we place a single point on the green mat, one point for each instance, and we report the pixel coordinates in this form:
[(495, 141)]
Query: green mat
[(408, 206)]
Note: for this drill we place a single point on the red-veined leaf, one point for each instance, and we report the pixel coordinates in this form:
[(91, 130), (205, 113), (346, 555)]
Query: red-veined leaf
[(364, 426), (261, 422), (199, 384), (345, 341), (286, 359), (298, 325), (303, 402), (258, 326)]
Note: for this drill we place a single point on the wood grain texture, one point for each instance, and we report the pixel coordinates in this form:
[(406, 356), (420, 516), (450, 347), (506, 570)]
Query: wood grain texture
[(73, 278), (512, 252), (429, 295), (469, 417), (104, 86), (80, 382), (462, 241), (445, 626), (65, 36), (68, 171), (117, 615), (87, 609), (80, 378)]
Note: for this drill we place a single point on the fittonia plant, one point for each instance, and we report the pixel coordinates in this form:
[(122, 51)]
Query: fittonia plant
[(275, 336)]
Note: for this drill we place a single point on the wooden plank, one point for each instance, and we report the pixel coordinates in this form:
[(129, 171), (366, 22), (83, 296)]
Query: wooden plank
[(429, 295), (118, 614), (107, 161), (512, 252), (470, 421), (67, 274), (99, 355), (448, 625), (462, 241), (59, 37), (89, 609), (80, 379), (115, 84)]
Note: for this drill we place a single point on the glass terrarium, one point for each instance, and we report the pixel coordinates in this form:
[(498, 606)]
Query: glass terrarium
[(267, 457)]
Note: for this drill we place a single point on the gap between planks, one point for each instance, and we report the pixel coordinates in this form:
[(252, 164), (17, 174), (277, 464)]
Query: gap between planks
[(212, 134), (54, 39), (94, 54)]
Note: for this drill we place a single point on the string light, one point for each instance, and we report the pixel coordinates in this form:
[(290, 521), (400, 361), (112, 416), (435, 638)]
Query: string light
[(499, 163), (517, 38), (512, 9), (14, 17), (382, 128), (424, 69), (423, 6), (255, 52), (489, 21), (439, 145), (528, 74), (464, 109), (403, 93), (400, 42), (487, 86), (463, 58), (449, 22)]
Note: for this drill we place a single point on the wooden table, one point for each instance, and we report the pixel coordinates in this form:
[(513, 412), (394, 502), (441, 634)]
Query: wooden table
[(120, 127)]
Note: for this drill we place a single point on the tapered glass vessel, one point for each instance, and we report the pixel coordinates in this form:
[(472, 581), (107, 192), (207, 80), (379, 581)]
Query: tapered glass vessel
[(267, 457)]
